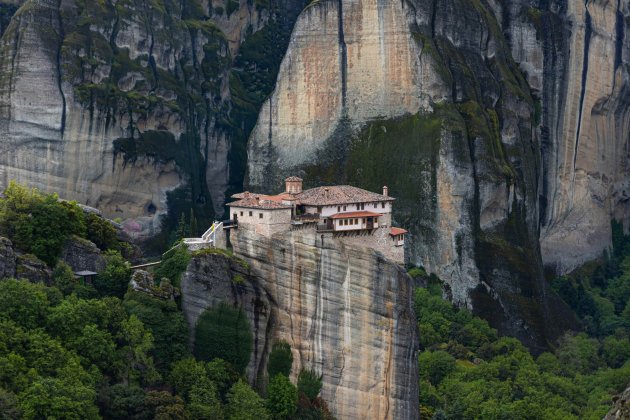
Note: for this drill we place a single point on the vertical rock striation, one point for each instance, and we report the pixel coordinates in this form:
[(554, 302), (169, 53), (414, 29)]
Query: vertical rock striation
[(345, 311), (130, 107)]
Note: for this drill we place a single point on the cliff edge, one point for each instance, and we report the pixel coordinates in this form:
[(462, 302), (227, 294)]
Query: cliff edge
[(345, 310)]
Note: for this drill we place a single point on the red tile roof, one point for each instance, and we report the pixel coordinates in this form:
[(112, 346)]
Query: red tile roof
[(397, 231), (259, 203), (355, 214), (339, 194)]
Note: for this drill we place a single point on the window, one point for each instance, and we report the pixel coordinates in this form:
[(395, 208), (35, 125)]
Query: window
[(344, 208), (338, 209), (235, 215), (356, 221), (251, 213), (345, 222), (319, 209), (383, 204), (375, 205), (241, 214), (260, 215)]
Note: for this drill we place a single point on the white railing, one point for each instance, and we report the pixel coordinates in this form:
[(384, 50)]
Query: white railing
[(208, 237)]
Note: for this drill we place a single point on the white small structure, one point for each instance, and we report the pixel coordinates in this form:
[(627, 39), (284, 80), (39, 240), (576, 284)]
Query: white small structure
[(213, 237)]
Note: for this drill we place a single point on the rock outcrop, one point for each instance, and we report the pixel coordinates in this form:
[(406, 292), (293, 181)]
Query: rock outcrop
[(345, 311), (31, 268), (621, 409), (128, 107), (7, 258), (81, 255), (503, 127)]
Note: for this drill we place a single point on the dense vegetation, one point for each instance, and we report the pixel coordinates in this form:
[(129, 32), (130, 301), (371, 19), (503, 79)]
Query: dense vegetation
[(468, 372), (40, 224), (75, 350)]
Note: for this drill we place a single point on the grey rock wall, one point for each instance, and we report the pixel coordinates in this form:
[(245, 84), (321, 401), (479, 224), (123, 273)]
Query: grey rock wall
[(345, 311)]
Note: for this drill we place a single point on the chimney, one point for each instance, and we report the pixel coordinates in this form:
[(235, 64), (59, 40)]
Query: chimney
[(385, 191), (326, 192)]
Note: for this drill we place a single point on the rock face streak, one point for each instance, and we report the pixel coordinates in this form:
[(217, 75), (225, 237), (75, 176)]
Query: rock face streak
[(345, 311), (531, 154)]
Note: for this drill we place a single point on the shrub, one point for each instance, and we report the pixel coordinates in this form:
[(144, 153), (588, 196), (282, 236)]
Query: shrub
[(280, 359), (309, 383), (224, 332), (282, 397), (173, 265)]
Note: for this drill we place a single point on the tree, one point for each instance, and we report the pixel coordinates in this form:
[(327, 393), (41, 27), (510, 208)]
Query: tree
[(101, 232), (204, 402), (114, 280), (435, 365), (64, 278), (23, 302), (245, 404), (58, 398), (138, 364), (165, 406), (167, 324), (187, 373), (224, 332), (123, 402), (9, 409), (578, 354), (173, 265), (282, 397), (280, 359), (309, 383)]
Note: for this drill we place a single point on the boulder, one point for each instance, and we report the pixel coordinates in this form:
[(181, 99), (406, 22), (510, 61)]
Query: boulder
[(31, 268), (81, 255), (7, 258)]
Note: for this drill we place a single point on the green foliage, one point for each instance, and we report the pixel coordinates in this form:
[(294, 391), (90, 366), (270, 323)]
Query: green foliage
[(282, 397), (224, 332), (23, 302), (114, 280), (173, 265), (466, 371), (37, 223), (166, 323), (64, 278), (138, 367), (309, 383), (245, 404), (123, 402), (101, 232), (280, 359)]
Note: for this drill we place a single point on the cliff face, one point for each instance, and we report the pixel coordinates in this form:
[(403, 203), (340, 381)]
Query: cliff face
[(576, 56), (502, 127), (504, 134), (128, 106), (345, 311)]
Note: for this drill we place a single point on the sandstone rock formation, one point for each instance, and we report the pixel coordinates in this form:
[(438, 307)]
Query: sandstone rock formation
[(345, 311), (81, 254), (511, 132), (621, 409), (123, 105), (7, 258), (501, 126), (31, 268)]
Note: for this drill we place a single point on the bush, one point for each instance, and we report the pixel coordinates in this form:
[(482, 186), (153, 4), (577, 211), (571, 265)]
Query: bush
[(224, 332), (309, 383), (101, 232), (114, 280), (173, 265), (282, 397), (280, 359)]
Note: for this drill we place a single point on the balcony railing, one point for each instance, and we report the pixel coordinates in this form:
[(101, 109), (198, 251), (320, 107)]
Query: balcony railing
[(307, 217)]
